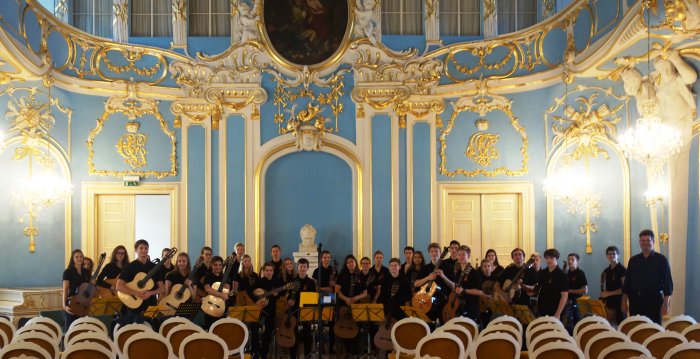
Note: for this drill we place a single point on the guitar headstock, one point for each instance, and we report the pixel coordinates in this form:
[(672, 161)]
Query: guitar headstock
[(292, 286), (198, 263), (445, 250), (530, 262), (335, 266), (102, 258), (170, 254)]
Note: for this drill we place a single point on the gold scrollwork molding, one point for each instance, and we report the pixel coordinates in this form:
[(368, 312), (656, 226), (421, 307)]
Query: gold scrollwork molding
[(380, 98), (482, 148), (482, 102), (133, 107)]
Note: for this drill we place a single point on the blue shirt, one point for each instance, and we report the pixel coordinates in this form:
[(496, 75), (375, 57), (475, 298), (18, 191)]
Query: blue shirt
[(650, 274)]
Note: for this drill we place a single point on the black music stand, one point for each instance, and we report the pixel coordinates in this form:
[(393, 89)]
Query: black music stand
[(187, 310), (368, 313)]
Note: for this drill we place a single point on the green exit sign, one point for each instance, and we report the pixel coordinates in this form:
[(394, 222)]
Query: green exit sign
[(131, 183)]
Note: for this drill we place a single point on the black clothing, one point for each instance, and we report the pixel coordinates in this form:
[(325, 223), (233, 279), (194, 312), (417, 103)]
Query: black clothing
[(611, 279), (244, 283), (499, 270), (394, 293), (200, 275), (236, 267), (551, 285), (75, 279), (268, 312), (175, 278), (577, 280), (509, 274), (470, 303), (210, 279), (450, 267), (325, 275), (110, 271), (414, 274), (440, 296), (375, 278), (306, 284), (647, 281), (164, 271), (129, 273), (277, 268), (350, 284)]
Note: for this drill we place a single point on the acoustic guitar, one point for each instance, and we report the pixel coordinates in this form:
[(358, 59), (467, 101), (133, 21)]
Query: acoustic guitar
[(143, 282), (511, 287), (382, 339), (285, 335), (82, 300), (213, 305), (108, 292), (179, 293), (450, 309), (423, 299), (346, 327), (261, 294)]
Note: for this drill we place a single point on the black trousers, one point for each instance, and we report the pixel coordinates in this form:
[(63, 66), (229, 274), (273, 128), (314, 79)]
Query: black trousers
[(647, 304)]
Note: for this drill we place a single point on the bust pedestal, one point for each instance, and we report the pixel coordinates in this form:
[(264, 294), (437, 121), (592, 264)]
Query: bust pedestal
[(312, 257)]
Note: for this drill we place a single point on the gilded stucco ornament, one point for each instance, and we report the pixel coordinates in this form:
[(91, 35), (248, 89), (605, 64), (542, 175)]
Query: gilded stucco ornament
[(482, 148)]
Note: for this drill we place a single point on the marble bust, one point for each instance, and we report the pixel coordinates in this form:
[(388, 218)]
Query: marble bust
[(308, 237)]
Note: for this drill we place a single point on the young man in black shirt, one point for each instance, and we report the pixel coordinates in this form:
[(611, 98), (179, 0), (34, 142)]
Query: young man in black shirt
[(306, 284), (578, 286), (518, 256), (469, 287), (648, 283), (276, 260), (408, 255), (449, 264), (554, 286), (376, 276), (611, 286), (488, 280), (267, 282), (395, 291), (438, 275), (327, 285), (139, 265)]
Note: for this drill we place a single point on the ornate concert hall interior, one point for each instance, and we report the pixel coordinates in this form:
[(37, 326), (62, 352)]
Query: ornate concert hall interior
[(568, 124)]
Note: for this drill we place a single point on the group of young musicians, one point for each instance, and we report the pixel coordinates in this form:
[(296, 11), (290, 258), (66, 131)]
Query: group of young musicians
[(548, 291)]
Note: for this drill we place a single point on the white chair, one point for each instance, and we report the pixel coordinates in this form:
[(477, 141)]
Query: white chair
[(147, 344), (660, 343), (3, 339), (440, 344), (641, 332), (590, 331), (460, 332), (679, 323), (41, 340), (558, 350), (602, 340), (89, 320), (471, 325), (81, 328), (543, 320), (503, 328), (541, 329), (630, 322), (508, 320), (7, 327), (87, 350), (179, 333), (204, 346), (49, 323), (94, 337), (29, 350), (628, 348), (170, 323), (550, 337), (234, 333), (122, 334), (692, 333), (406, 333), (496, 345), (588, 321), (683, 351), (29, 328)]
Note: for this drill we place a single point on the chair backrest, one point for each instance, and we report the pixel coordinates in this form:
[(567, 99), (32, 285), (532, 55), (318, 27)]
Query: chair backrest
[(679, 323), (543, 320), (7, 327), (660, 343), (690, 350), (692, 333), (91, 321), (550, 337), (623, 350), (41, 340), (508, 320), (504, 328), (170, 323), (406, 333), (94, 337), (17, 349), (602, 340), (590, 331), (542, 328), (3, 339), (629, 323), (178, 334), (36, 328), (496, 345), (234, 333), (79, 329), (203, 346), (123, 334), (460, 332), (641, 332), (441, 344), (469, 324), (87, 350), (147, 345), (49, 323), (588, 321), (558, 350)]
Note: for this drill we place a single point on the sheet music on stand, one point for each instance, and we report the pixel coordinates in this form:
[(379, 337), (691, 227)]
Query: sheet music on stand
[(523, 314), (413, 312), (368, 312), (503, 308), (246, 313), (152, 311), (308, 310), (187, 310), (105, 306), (588, 306)]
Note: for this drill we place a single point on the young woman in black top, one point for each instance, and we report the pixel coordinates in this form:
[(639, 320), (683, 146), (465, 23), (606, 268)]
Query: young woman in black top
[(416, 270), (74, 275), (350, 289), (493, 257), (179, 275), (267, 282), (288, 272), (365, 265), (243, 280), (112, 269), (215, 275)]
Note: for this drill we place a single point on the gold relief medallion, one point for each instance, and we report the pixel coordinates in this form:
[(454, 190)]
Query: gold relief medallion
[(132, 147), (482, 148)]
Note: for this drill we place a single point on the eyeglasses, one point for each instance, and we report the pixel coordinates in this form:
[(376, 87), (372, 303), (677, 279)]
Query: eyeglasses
[(122, 253)]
